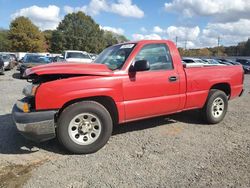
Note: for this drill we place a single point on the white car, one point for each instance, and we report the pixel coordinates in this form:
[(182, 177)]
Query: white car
[(77, 56), (6, 60)]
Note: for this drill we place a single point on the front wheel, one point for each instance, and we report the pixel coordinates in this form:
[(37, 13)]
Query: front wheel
[(84, 127), (216, 107)]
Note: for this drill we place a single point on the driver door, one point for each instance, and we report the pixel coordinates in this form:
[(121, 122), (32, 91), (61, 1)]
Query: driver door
[(153, 92)]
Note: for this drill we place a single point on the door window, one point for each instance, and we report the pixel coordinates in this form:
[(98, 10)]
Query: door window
[(157, 55)]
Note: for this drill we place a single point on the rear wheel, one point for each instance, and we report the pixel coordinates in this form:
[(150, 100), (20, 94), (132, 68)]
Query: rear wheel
[(84, 127), (216, 107)]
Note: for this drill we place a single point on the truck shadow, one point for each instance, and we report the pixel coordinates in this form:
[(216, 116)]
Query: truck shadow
[(11, 142), (16, 75), (189, 117)]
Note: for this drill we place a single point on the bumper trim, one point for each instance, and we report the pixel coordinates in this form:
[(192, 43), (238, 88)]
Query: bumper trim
[(35, 126)]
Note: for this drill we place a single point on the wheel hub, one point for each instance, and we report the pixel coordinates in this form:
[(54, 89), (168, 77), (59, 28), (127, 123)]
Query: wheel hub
[(84, 128), (218, 107)]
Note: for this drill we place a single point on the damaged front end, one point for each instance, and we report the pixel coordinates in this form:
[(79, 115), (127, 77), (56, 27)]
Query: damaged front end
[(35, 125), (39, 79)]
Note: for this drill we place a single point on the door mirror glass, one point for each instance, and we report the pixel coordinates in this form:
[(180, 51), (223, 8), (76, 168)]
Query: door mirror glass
[(140, 65)]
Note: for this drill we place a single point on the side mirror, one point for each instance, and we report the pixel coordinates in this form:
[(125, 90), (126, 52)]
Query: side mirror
[(140, 65)]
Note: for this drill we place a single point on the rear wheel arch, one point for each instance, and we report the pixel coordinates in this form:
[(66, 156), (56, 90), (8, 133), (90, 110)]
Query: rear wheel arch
[(225, 87), (106, 101)]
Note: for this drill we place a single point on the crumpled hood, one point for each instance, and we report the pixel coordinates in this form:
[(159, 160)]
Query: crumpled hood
[(70, 68)]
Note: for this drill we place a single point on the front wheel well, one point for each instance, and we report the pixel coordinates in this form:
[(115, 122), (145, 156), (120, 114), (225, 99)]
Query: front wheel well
[(225, 87), (106, 101)]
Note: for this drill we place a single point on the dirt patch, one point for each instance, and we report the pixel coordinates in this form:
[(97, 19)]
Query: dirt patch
[(15, 175)]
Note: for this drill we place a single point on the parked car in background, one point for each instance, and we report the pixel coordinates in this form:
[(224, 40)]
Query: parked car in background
[(192, 60), (32, 61), (224, 61), (93, 56), (1, 66), (76, 56), (12, 56), (212, 62), (245, 63), (21, 60), (8, 65), (57, 59), (233, 62)]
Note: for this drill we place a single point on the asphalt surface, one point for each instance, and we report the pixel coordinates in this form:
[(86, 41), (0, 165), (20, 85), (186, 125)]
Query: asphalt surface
[(171, 151)]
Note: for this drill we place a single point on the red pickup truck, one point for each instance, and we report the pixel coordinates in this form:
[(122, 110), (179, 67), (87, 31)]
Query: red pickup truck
[(80, 103)]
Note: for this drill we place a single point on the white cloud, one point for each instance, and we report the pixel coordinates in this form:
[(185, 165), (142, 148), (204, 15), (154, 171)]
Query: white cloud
[(157, 29), (122, 7), (119, 31), (230, 33), (96, 6), (143, 29), (183, 33), (43, 17), (222, 10), (69, 9), (152, 36), (127, 9), (194, 37)]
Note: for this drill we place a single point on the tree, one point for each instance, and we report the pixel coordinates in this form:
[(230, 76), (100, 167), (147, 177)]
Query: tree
[(57, 42), (78, 31), (246, 50), (25, 36), (204, 52), (47, 36), (112, 38), (109, 38), (4, 41)]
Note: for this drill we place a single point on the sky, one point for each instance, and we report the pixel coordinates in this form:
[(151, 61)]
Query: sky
[(194, 23)]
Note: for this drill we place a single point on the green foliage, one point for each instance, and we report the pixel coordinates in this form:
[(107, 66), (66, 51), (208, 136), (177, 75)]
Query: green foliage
[(25, 36), (77, 31), (111, 38), (4, 41), (204, 52), (57, 42), (47, 36)]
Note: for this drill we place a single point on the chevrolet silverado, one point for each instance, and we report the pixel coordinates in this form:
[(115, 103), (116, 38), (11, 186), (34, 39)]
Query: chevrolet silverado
[(80, 103)]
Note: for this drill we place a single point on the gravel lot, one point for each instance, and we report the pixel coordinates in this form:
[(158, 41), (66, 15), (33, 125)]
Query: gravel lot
[(171, 151)]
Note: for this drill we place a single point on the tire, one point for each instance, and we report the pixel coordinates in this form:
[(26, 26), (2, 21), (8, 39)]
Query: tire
[(215, 108), (84, 127)]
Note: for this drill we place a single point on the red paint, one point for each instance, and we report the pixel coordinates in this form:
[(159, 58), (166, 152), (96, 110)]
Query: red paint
[(145, 94)]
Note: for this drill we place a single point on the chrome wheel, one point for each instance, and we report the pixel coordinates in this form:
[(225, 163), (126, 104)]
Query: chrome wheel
[(218, 107), (84, 129)]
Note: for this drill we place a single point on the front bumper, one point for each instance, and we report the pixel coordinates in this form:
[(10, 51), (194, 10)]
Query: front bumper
[(1, 70), (7, 66), (35, 126)]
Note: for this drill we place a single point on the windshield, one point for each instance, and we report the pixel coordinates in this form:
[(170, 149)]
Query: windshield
[(5, 58), (77, 55), (199, 61), (36, 59), (115, 56)]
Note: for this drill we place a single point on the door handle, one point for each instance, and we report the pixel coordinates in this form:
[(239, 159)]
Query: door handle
[(173, 78)]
